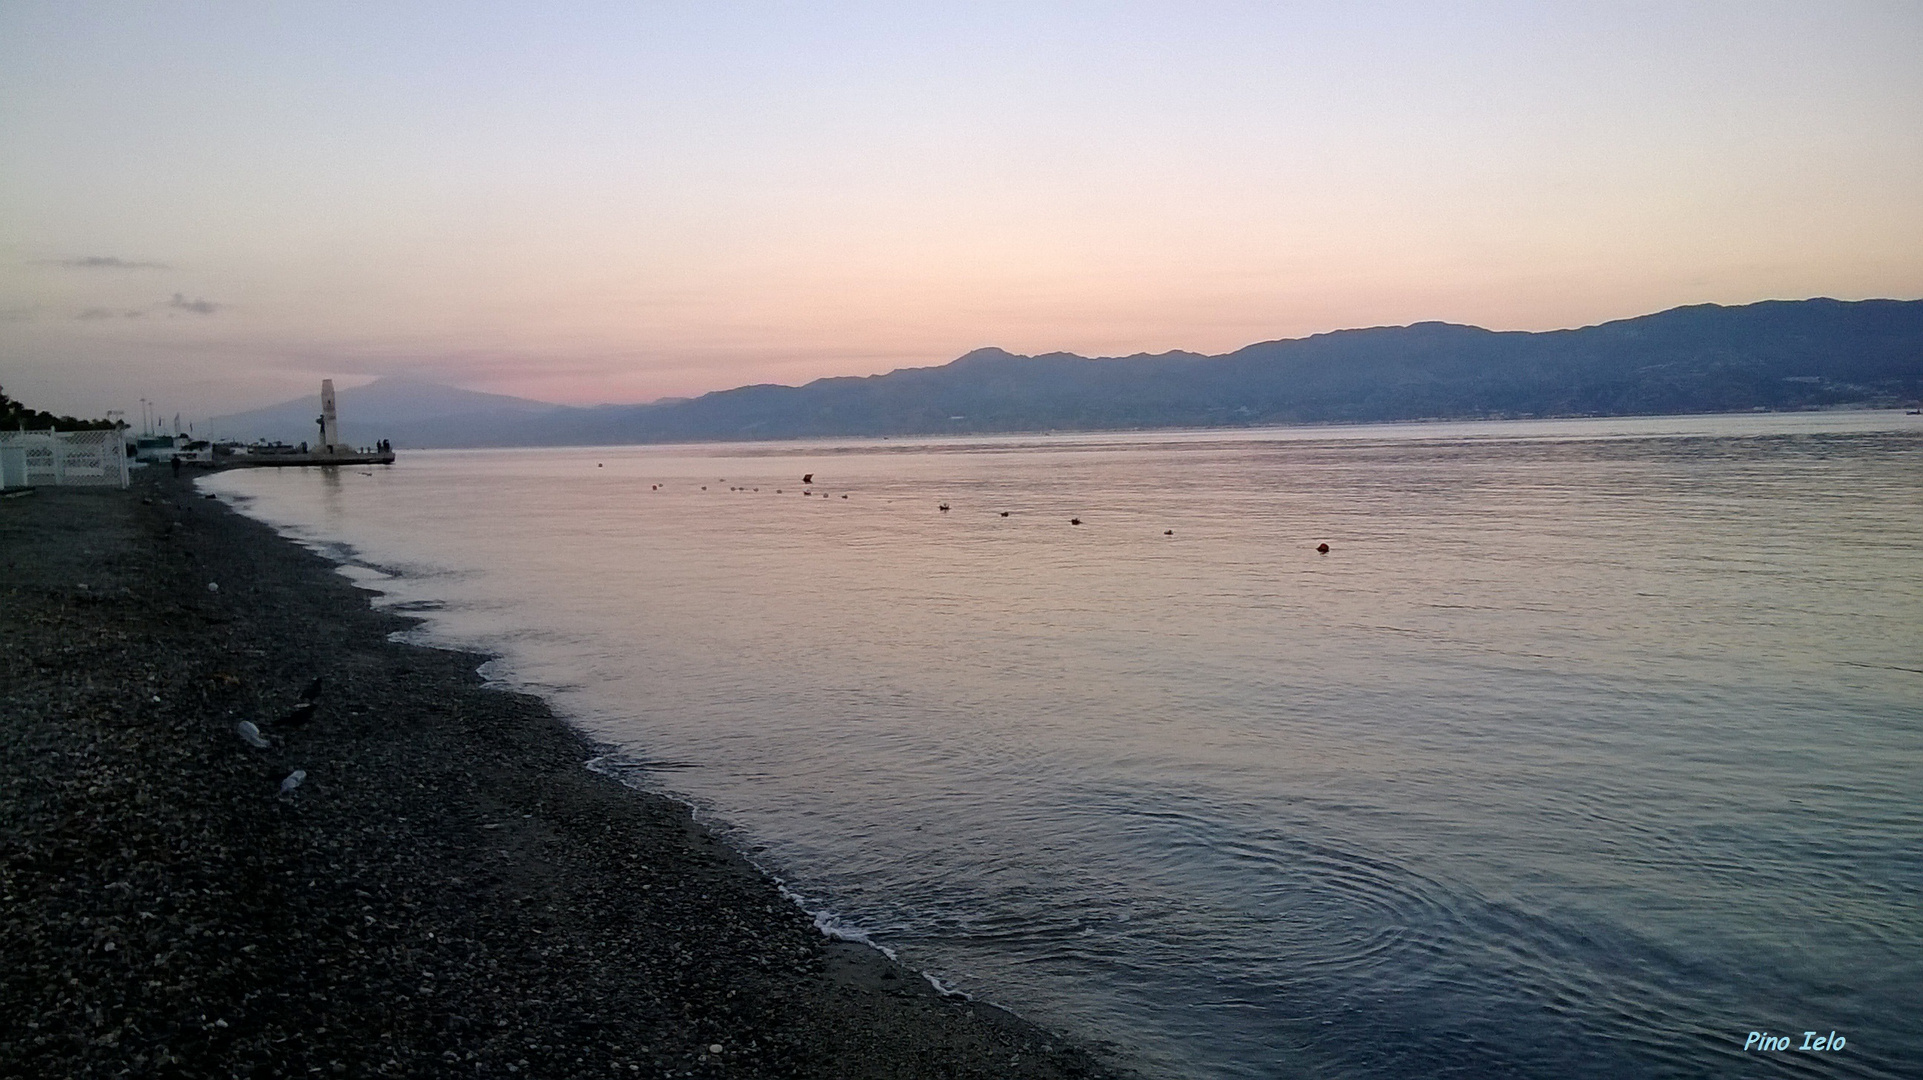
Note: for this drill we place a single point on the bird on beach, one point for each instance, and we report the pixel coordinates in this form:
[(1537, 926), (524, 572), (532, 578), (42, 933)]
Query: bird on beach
[(300, 714), (313, 691)]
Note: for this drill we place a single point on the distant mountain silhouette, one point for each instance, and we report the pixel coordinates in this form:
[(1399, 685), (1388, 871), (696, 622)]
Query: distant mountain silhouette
[(1707, 358), (410, 412)]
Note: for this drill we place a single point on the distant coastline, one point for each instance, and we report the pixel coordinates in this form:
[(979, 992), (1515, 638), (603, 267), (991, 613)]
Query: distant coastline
[(1771, 356)]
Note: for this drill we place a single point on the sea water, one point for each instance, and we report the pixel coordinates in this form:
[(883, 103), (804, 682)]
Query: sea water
[(1588, 748)]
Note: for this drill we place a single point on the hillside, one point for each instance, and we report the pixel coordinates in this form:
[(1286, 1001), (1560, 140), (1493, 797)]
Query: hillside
[(1707, 358), (410, 412)]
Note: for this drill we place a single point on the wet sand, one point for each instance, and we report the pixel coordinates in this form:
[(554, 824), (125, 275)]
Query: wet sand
[(448, 892)]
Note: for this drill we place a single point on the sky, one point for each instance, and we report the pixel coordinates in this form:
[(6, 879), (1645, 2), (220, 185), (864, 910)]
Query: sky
[(211, 206)]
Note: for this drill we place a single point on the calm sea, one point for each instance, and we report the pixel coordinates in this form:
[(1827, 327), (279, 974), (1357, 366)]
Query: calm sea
[(1588, 749)]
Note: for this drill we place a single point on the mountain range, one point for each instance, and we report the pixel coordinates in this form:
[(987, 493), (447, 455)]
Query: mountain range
[(410, 412), (1800, 354)]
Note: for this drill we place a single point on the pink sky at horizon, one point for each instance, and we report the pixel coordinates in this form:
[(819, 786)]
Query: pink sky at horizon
[(216, 205)]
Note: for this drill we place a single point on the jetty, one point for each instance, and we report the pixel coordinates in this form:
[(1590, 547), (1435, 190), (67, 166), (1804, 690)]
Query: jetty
[(311, 457)]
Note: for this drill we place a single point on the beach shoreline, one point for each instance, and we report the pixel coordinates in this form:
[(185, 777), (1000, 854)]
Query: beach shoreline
[(448, 890)]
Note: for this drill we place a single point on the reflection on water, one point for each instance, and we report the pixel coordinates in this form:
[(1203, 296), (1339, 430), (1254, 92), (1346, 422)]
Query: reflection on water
[(1588, 748)]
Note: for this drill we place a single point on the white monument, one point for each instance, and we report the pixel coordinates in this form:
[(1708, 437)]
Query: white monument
[(329, 424)]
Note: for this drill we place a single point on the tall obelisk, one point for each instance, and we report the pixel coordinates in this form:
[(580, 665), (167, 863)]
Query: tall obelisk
[(330, 426)]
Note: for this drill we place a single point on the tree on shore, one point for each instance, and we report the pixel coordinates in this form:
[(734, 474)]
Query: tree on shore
[(15, 416)]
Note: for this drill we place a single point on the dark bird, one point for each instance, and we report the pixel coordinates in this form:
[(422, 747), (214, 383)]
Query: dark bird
[(300, 714), (943, 507), (808, 478), (1323, 548), (1168, 532), (313, 691), (1074, 521), (1004, 513)]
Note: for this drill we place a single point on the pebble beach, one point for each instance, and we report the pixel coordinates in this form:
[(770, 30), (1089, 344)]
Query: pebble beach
[(418, 876)]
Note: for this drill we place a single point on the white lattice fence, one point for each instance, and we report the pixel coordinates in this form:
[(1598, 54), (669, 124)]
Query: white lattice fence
[(88, 458)]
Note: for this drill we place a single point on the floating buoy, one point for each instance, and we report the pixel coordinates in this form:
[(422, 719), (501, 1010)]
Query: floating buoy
[(1323, 548)]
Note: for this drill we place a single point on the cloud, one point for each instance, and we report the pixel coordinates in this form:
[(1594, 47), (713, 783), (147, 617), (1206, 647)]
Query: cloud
[(198, 307), (93, 313), (107, 262)]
